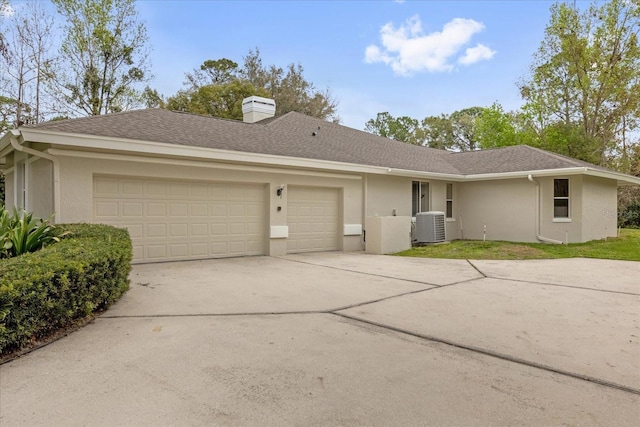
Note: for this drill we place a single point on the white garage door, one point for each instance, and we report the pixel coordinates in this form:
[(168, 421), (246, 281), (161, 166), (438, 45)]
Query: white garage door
[(177, 220), (312, 217)]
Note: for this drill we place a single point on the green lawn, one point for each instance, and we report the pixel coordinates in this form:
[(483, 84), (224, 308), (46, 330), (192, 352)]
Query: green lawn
[(626, 247)]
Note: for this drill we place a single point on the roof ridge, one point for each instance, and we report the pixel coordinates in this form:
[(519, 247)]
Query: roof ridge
[(276, 119), (86, 118), (576, 162)]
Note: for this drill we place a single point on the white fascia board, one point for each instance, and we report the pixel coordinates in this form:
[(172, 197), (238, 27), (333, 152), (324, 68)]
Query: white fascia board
[(620, 177), (422, 174), (525, 174), (5, 142), (188, 151), (196, 163)]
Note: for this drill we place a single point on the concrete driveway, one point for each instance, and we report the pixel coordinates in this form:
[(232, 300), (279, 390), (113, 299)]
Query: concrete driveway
[(347, 340)]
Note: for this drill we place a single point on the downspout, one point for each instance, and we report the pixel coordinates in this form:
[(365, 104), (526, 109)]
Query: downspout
[(538, 236), (364, 208), (56, 171)]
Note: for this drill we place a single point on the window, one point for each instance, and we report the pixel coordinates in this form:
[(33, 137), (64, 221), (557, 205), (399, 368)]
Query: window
[(561, 198), (21, 185), (449, 213), (419, 197)]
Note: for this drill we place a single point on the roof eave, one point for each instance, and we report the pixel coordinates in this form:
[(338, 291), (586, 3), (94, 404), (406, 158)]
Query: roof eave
[(186, 151), (138, 147), (621, 178)]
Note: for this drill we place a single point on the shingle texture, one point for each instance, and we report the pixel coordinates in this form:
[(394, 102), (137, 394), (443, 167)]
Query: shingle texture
[(297, 135)]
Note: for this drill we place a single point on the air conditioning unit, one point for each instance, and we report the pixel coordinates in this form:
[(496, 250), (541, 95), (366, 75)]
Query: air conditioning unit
[(430, 227)]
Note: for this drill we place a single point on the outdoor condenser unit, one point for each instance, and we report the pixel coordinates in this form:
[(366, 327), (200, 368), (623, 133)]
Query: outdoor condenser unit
[(430, 227)]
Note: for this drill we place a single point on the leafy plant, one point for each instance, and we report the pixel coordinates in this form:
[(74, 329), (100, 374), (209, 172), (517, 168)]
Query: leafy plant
[(630, 216), (21, 233)]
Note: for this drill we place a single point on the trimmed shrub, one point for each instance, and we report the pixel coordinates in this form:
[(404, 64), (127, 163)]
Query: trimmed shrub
[(48, 290)]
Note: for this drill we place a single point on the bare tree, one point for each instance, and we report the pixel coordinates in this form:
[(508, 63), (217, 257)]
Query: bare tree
[(28, 61), (105, 56)]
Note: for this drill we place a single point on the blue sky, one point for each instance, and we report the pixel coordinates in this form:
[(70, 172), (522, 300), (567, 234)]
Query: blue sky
[(415, 72), (412, 57)]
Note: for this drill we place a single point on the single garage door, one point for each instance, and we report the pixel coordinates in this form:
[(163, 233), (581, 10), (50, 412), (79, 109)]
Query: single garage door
[(177, 220), (312, 217)]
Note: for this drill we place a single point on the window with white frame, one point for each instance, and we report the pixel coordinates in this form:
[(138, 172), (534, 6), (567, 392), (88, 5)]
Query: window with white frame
[(449, 213), (561, 198), (21, 185), (419, 197)]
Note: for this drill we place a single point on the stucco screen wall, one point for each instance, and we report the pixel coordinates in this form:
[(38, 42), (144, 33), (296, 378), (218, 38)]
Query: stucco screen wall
[(599, 208), (506, 207), (40, 179), (77, 173)]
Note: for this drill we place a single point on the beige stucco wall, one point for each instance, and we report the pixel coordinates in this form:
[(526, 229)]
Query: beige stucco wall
[(438, 191), (506, 207), (386, 193), (599, 208), (40, 193), (76, 187), (561, 230)]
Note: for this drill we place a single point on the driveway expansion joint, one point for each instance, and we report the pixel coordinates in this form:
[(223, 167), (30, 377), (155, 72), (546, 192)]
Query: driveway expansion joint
[(496, 355), (239, 314), (476, 268), (359, 272), (560, 285)]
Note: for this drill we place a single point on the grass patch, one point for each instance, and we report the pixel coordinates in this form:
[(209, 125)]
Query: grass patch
[(625, 247)]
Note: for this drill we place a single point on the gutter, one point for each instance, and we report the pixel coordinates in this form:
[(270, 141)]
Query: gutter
[(13, 140), (538, 236)]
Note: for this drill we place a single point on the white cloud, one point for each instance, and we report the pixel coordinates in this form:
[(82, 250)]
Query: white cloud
[(476, 54), (407, 49), (6, 10)]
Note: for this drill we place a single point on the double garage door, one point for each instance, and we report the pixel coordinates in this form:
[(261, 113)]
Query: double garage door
[(178, 220)]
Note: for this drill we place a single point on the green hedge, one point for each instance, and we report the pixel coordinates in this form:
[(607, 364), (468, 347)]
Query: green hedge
[(45, 291)]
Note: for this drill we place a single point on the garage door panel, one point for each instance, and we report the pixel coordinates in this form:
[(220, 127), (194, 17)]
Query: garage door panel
[(106, 187), (199, 209), (156, 189), (199, 191), (181, 220), (132, 188), (178, 209), (219, 229), (157, 230), (179, 230), (156, 209), (135, 230), (200, 230), (180, 250), (199, 249), (132, 209), (312, 217), (106, 209), (156, 252), (177, 190)]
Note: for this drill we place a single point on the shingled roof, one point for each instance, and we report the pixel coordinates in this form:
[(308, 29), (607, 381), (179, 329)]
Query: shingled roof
[(301, 136)]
